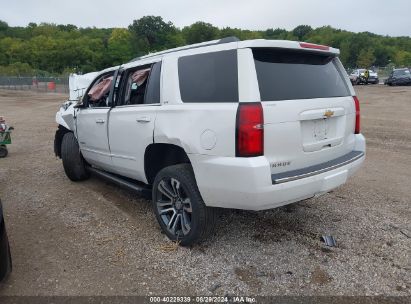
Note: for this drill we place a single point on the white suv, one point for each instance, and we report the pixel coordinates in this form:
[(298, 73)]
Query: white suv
[(234, 124)]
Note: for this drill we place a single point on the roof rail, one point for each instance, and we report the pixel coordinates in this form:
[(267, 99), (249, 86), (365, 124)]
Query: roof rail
[(191, 46)]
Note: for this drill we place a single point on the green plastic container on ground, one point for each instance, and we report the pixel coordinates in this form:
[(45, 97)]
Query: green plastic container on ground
[(5, 138)]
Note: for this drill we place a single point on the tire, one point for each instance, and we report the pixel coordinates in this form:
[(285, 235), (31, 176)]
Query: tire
[(5, 261), (73, 162), (5, 256), (3, 151), (179, 208)]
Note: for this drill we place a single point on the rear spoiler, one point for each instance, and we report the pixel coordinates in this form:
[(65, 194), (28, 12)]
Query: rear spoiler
[(286, 44)]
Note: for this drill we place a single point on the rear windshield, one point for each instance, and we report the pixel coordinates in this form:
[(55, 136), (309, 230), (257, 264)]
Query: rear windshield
[(289, 74), (209, 77)]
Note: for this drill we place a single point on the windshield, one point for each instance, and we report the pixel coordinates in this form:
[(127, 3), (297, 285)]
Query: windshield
[(401, 73)]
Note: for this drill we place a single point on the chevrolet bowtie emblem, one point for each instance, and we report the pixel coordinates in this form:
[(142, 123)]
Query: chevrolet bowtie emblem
[(328, 113)]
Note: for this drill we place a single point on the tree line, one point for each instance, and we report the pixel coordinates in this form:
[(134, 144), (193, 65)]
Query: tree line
[(51, 49)]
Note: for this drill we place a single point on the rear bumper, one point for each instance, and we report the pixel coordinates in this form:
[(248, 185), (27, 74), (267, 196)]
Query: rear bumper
[(247, 183), (317, 169)]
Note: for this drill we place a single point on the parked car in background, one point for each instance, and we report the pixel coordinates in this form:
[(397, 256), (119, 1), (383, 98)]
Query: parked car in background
[(252, 125), (373, 78), (357, 76), (399, 77), (5, 256)]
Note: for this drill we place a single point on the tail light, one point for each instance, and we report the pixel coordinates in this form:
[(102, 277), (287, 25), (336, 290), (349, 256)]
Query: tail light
[(357, 115), (250, 130), (314, 46)]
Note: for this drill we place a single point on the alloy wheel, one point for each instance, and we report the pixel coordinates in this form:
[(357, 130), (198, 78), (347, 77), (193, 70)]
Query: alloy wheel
[(174, 207)]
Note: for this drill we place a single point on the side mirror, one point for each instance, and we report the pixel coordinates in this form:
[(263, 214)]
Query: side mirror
[(79, 106)]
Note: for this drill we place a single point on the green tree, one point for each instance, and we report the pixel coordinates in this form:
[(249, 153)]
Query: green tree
[(301, 31), (247, 34), (3, 26), (120, 48), (275, 33), (230, 32), (151, 33), (366, 58), (403, 58), (67, 27), (49, 48), (200, 32), (17, 69), (383, 54)]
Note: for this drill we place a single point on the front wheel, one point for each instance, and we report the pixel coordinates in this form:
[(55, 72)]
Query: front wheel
[(178, 206), (73, 162)]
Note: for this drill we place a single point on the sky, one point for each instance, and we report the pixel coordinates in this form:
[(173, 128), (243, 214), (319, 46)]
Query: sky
[(392, 17)]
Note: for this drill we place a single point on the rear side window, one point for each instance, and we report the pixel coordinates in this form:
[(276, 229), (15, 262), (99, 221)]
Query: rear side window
[(288, 74), (210, 77)]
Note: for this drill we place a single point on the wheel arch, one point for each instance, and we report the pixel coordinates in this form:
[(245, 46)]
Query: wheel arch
[(160, 155)]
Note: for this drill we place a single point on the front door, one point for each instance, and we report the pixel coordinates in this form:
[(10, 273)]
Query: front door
[(92, 136), (92, 122)]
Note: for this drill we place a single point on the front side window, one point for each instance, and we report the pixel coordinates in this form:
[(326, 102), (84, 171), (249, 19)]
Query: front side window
[(209, 77), (99, 93)]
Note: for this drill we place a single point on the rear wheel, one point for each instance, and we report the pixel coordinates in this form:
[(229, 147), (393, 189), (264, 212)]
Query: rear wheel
[(179, 208), (73, 162)]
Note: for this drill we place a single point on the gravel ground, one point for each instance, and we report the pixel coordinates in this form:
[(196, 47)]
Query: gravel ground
[(92, 238)]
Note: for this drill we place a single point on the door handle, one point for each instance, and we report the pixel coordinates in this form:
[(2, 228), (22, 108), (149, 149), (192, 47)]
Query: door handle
[(100, 121), (143, 119)]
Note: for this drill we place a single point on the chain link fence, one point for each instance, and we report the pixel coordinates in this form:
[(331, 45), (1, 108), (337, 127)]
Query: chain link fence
[(38, 84), (61, 84), (383, 72)]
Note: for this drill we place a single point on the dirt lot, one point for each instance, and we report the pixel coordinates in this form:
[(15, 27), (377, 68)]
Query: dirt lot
[(91, 238)]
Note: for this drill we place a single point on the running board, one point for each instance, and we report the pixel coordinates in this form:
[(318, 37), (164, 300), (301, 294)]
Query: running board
[(141, 189)]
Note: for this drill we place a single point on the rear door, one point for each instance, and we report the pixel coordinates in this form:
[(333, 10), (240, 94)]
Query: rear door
[(309, 113)]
